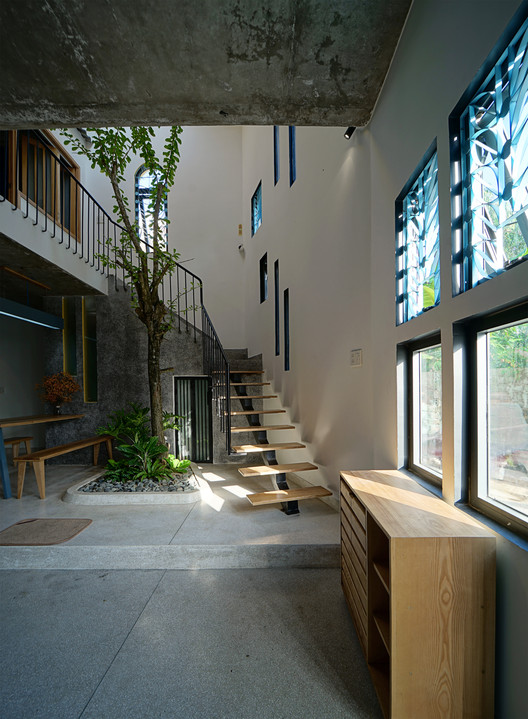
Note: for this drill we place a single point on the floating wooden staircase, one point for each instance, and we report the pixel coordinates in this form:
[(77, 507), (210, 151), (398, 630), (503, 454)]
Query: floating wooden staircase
[(289, 498)]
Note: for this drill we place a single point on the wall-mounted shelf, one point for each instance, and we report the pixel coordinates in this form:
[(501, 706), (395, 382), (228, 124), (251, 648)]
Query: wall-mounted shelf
[(419, 579)]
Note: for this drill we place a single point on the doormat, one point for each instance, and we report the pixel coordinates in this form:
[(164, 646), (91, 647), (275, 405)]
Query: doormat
[(38, 532)]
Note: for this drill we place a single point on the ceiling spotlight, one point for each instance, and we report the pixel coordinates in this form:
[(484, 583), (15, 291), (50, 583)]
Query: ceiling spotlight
[(349, 132)]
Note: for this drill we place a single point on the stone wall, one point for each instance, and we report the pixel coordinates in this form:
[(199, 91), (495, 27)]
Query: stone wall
[(121, 368)]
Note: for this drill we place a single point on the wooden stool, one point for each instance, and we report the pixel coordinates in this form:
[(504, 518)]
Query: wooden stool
[(16, 442)]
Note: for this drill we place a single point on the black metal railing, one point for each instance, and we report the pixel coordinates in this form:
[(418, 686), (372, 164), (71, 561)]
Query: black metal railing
[(36, 179), (216, 365)]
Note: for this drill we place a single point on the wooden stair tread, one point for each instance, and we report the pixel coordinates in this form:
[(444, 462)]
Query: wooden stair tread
[(259, 428), (276, 469), (287, 495), (246, 371), (257, 411), (253, 396), (246, 448), (248, 384)]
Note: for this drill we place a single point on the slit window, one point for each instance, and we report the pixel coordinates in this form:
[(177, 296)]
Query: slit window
[(276, 154), (292, 154), (263, 272), (256, 209), (277, 307), (286, 330)]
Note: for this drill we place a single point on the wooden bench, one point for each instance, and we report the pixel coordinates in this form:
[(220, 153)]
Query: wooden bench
[(37, 459), (16, 442)]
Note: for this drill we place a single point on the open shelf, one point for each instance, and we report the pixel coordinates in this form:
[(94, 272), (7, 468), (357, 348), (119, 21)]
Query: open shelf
[(382, 570), (380, 673), (393, 533), (383, 626)]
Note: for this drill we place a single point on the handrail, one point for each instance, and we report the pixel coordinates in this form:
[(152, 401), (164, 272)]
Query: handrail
[(38, 182), (216, 365)]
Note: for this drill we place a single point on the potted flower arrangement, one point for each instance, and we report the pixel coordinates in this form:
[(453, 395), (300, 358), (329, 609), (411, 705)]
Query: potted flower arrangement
[(58, 389)]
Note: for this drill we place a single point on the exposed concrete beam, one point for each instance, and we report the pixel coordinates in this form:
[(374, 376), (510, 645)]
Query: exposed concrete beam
[(209, 62)]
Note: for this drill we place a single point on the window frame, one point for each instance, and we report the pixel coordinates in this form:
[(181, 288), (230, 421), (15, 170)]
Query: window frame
[(403, 266), (410, 348), (462, 247), (256, 209), (473, 328)]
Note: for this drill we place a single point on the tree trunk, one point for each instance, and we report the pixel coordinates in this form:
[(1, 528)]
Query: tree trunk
[(154, 377)]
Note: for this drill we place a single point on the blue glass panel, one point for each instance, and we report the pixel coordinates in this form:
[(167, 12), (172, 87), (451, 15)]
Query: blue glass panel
[(256, 209), (418, 245), (494, 164)]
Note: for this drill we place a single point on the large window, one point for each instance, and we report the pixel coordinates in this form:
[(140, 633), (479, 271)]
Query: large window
[(489, 141), (499, 371), (417, 242), (39, 176), (144, 183), (425, 408), (256, 209)]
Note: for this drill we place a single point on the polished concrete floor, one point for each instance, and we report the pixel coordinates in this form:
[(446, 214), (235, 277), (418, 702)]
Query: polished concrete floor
[(268, 636)]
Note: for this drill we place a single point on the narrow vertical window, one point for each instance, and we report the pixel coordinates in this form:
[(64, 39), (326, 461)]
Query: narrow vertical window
[(425, 397), (277, 307), (69, 336), (144, 183), (276, 154), (256, 209), (89, 329), (287, 329), (293, 159), (418, 242), (263, 272)]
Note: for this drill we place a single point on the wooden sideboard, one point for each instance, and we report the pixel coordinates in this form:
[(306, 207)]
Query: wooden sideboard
[(419, 579)]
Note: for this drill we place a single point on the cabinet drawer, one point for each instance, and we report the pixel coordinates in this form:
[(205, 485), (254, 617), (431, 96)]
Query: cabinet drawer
[(357, 576), (359, 531), (350, 498), (358, 613), (349, 537)]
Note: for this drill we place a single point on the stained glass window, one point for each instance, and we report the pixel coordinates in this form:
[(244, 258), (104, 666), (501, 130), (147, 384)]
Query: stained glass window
[(418, 243), (490, 170), (256, 209)]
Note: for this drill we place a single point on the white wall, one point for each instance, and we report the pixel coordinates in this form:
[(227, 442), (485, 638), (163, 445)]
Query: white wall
[(334, 235), (205, 209), (318, 229)]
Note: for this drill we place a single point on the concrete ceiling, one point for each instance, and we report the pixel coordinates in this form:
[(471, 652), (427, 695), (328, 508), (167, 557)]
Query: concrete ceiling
[(83, 63)]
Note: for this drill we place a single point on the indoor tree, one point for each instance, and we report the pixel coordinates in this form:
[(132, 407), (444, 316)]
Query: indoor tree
[(144, 265)]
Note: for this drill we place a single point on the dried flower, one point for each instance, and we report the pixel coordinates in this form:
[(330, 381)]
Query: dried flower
[(58, 388)]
